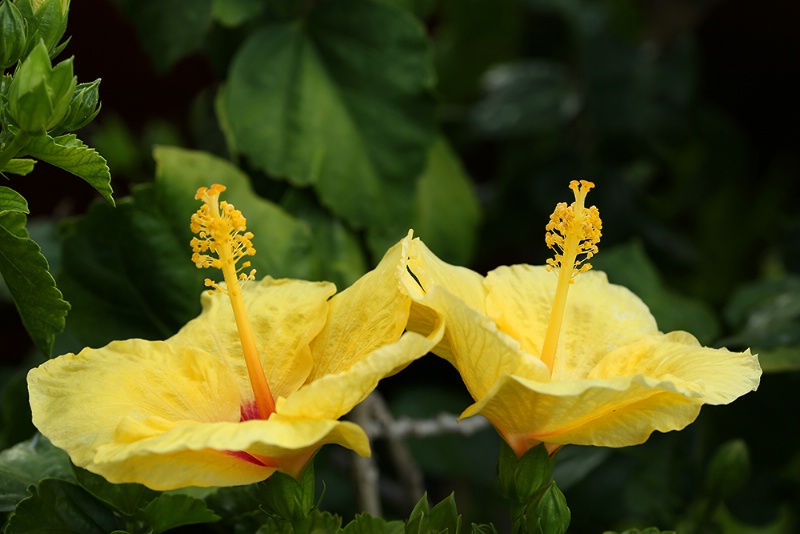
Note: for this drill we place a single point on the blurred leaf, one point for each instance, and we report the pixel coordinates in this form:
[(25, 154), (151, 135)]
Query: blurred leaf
[(71, 154), (728, 469), (127, 498), (15, 412), (234, 12), (10, 200), (422, 9), (445, 211), (575, 463), (366, 524), (25, 464), (471, 36), (785, 523), (339, 255), (170, 29), (766, 313), (60, 506), (445, 516), (628, 265), (341, 103), (129, 271), (525, 98), (168, 511), (779, 359), (483, 529), (25, 272), (19, 166)]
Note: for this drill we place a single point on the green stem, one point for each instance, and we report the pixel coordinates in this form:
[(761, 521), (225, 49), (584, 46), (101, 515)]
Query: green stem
[(18, 142)]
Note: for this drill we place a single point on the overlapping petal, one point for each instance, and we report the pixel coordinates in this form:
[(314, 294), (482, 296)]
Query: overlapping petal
[(170, 414), (615, 380)]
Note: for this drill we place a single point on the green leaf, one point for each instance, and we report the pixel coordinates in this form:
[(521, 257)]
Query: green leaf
[(232, 13), (446, 211), (445, 517), (766, 313), (288, 498), (19, 166), (525, 98), (25, 272), (419, 519), (60, 506), (284, 244), (71, 154), (128, 270), (628, 265), (778, 360), (15, 412), (10, 200), (127, 498), (483, 529), (367, 524), (521, 479), (339, 102), (318, 522), (170, 29), (339, 254), (25, 464), (728, 469), (169, 511)]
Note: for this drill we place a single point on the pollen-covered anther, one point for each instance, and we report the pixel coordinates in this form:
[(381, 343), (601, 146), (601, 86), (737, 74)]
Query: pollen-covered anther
[(573, 232)]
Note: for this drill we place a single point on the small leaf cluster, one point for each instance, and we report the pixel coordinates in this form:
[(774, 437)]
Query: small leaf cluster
[(39, 105), (538, 505)]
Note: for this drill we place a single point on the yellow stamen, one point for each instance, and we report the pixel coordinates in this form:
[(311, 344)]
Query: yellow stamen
[(573, 231), (221, 230)]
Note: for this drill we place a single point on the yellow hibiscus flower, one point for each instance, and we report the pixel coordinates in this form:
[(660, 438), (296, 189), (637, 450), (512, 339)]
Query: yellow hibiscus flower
[(591, 369), (255, 384)]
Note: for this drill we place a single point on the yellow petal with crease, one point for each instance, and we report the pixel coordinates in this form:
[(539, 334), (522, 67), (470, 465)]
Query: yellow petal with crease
[(367, 315), (334, 395)]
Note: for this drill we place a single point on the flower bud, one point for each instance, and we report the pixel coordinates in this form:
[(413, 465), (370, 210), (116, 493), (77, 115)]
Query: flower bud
[(13, 36), (83, 108), (40, 95), (47, 21)]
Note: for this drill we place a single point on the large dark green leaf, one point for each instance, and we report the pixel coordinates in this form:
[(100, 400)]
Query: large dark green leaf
[(25, 272), (60, 506), (10, 200), (25, 464), (71, 154), (127, 498), (340, 102)]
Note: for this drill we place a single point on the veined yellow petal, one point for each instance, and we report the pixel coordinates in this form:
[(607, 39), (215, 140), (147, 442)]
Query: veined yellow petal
[(719, 374), (616, 412), (240, 453), (369, 314), (421, 272), (332, 396), (284, 316), (78, 400), (480, 351), (599, 316)]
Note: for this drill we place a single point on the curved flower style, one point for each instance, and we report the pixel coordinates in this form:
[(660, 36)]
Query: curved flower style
[(610, 377), (187, 411)]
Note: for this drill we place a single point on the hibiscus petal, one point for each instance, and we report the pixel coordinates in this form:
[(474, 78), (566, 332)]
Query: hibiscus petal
[(422, 272), (334, 395), (599, 316), (613, 413), (212, 454), (480, 351), (78, 400), (720, 375), (369, 314), (284, 316)]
